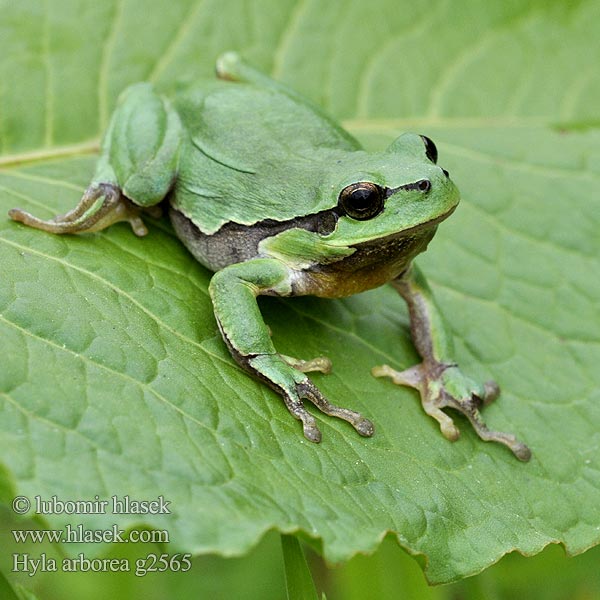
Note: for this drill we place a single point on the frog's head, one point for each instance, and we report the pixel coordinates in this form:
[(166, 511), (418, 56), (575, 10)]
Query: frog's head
[(399, 190)]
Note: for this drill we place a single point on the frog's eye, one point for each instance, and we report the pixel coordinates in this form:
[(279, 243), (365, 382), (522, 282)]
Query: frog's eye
[(430, 149), (361, 201)]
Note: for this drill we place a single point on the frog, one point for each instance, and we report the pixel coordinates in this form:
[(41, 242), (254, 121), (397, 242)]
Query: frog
[(271, 194)]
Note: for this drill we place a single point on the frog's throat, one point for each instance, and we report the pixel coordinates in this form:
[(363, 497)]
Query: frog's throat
[(371, 265)]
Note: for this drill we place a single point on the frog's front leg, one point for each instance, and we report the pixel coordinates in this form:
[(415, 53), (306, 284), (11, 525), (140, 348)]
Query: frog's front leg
[(438, 378), (233, 292), (135, 170)]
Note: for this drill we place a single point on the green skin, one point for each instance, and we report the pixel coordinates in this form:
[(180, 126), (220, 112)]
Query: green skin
[(267, 191)]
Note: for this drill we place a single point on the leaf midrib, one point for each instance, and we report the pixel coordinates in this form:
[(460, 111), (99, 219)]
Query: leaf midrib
[(54, 152)]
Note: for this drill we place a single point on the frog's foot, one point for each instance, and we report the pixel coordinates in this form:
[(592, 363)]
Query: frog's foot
[(100, 206), (307, 390), (320, 363), (442, 386), (295, 387)]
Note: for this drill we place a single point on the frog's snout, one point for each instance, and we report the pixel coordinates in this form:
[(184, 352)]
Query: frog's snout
[(446, 173)]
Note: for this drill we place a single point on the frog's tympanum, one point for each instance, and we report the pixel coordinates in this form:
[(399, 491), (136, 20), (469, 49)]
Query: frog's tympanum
[(273, 196)]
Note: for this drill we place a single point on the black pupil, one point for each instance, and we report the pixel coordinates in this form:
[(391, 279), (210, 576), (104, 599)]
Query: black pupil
[(362, 199)]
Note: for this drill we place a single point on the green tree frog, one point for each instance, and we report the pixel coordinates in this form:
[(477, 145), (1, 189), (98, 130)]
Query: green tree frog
[(272, 195)]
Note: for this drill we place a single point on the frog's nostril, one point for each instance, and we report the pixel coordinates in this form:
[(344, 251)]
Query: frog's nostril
[(424, 185), (445, 173)]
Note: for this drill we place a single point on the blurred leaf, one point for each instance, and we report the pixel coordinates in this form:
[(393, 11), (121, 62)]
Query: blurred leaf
[(298, 580), (6, 590), (25, 594), (114, 379)]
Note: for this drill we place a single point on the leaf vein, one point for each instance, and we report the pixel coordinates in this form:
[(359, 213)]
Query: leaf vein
[(37, 417), (574, 92), (385, 126), (545, 170), (365, 83), (108, 369), (182, 32), (287, 37), (122, 293), (104, 70), (50, 154), (41, 179), (46, 54), (460, 62)]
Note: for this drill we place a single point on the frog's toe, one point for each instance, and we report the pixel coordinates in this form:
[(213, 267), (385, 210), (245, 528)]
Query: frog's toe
[(320, 363), (449, 430), (491, 392), (363, 426), (469, 408), (309, 424), (413, 377), (522, 451), (87, 216), (312, 433), (70, 221)]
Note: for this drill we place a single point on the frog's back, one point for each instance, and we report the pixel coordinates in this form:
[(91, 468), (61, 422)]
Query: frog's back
[(252, 154)]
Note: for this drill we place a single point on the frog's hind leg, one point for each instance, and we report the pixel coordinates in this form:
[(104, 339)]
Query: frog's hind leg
[(231, 67), (100, 206)]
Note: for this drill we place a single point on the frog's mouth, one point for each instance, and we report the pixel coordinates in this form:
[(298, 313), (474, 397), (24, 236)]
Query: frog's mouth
[(411, 232)]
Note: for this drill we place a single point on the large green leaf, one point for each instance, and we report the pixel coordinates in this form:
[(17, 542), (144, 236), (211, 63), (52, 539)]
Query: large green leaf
[(114, 379)]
